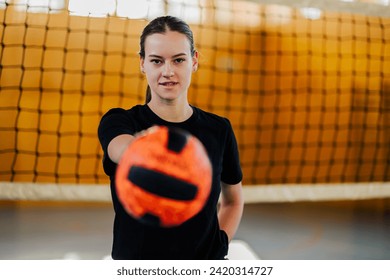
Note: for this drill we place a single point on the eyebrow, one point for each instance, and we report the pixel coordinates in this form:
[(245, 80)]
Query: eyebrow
[(158, 56)]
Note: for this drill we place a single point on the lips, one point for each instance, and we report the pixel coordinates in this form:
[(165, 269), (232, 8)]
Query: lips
[(168, 84)]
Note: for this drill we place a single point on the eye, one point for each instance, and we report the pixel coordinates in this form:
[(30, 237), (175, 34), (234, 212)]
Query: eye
[(179, 60), (156, 61)]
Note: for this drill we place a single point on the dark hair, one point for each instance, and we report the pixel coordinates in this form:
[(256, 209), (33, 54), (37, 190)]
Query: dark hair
[(161, 25)]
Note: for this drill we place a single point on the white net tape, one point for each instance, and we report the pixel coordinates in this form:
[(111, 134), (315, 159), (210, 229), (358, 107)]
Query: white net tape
[(252, 194)]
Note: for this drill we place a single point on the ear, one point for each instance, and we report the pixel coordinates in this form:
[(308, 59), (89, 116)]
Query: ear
[(141, 64), (195, 61)]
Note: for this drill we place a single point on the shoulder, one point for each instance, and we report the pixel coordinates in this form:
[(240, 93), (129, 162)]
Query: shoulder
[(114, 111), (213, 119), (122, 112), (214, 124)]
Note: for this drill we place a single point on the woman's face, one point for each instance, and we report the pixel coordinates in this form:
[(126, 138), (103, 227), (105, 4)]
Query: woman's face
[(168, 65)]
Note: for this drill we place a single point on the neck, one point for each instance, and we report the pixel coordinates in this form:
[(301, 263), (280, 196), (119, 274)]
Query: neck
[(171, 112)]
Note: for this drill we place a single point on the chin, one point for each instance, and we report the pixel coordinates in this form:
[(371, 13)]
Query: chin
[(169, 96)]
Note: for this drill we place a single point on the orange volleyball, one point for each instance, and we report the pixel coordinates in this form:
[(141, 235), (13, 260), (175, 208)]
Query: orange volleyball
[(164, 177)]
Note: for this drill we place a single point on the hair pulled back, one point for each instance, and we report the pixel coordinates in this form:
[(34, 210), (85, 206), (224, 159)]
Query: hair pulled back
[(161, 25)]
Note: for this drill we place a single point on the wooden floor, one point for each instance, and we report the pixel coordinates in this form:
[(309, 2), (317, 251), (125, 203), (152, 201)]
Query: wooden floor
[(319, 231)]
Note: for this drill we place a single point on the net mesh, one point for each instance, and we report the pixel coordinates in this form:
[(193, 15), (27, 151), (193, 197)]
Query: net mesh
[(307, 90)]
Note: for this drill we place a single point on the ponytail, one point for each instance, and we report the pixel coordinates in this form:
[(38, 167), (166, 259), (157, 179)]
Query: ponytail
[(148, 95)]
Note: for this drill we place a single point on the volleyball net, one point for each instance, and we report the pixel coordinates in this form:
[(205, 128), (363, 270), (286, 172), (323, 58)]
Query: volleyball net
[(307, 90)]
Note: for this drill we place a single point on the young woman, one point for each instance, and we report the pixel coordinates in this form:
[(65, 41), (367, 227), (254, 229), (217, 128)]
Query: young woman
[(168, 59)]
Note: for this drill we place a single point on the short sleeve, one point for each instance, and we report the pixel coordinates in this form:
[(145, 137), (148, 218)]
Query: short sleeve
[(231, 168), (114, 123)]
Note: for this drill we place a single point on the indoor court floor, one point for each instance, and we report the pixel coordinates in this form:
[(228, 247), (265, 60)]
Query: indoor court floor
[(271, 231)]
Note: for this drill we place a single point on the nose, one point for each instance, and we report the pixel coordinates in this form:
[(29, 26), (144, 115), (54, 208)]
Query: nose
[(168, 71)]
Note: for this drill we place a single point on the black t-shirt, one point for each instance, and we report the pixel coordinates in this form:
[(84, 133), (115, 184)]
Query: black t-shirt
[(198, 238)]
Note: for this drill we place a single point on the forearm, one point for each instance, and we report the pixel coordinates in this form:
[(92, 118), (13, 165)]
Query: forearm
[(118, 146), (229, 219), (231, 209)]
